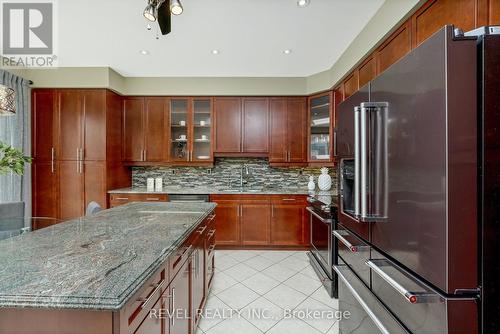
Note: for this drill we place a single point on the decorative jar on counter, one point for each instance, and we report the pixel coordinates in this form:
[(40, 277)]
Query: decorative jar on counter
[(324, 180)]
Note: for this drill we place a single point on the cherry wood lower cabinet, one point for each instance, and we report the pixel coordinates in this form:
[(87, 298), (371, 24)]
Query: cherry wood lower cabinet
[(121, 199), (261, 221)]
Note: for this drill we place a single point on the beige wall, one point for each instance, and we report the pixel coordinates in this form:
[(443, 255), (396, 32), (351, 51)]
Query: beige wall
[(387, 18)]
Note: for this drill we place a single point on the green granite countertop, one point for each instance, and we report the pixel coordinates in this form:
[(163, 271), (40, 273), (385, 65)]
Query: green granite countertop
[(95, 262)]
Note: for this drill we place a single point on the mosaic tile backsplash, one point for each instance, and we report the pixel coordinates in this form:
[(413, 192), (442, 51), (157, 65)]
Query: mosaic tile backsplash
[(226, 173)]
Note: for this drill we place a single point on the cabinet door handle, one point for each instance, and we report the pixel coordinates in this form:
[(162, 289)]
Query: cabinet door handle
[(335, 142), (52, 161), (173, 306), (150, 298), (201, 230), (82, 154), (81, 166), (78, 154), (145, 155), (272, 210)]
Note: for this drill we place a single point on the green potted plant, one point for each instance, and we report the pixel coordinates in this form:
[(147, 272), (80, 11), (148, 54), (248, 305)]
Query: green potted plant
[(12, 160)]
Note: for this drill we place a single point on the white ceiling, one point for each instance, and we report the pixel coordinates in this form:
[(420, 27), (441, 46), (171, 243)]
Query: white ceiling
[(250, 34)]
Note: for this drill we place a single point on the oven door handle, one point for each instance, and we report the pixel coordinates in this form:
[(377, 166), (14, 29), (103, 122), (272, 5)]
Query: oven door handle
[(323, 220)]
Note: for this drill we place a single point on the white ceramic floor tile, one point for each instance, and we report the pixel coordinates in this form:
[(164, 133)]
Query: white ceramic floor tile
[(225, 262), (222, 252), (213, 313), (262, 314), (234, 325), (294, 263), (260, 283), (276, 256), (240, 272), (301, 256), (238, 296), (242, 255), (285, 297), (309, 271), (334, 329), (259, 262), (292, 326), (318, 316), (279, 272), (199, 331), (321, 295), (222, 282), (303, 283)]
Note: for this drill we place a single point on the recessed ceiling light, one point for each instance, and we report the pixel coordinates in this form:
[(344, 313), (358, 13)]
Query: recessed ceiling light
[(287, 51), (215, 51), (303, 3), (144, 52)]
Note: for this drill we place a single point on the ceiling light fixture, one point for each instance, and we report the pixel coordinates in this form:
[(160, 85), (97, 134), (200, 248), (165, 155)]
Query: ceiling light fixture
[(287, 51), (215, 51), (303, 3), (144, 52), (150, 12), (176, 7)]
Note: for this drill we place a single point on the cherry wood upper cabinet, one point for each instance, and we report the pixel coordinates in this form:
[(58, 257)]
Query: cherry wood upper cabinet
[(228, 121), (255, 125), (297, 129), (397, 45), (94, 122), (437, 13), (367, 71), (70, 124), (288, 136), (321, 123), (133, 129), (278, 145), (351, 84), (494, 12), (44, 124), (156, 125)]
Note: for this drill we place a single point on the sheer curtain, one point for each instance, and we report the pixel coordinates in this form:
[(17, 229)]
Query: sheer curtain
[(16, 131)]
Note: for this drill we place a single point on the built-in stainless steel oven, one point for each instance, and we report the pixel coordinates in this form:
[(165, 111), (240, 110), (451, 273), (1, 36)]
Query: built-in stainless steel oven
[(323, 255)]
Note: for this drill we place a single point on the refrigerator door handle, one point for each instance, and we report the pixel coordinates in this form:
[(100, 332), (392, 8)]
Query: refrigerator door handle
[(426, 296), (357, 162), (373, 162)]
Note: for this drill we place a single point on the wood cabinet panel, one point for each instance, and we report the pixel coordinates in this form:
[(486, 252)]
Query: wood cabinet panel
[(121, 199), (437, 13), (367, 71), (351, 84), (180, 293), (227, 223), (278, 145), (152, 325), (95, 183), (45, 194), (494, 12), (133, 129), (198, 277), (71, 190), (287, 225), (228, 123), (156, 131), (44, 124), (70, 121), (396, 46), (254, 222), (94, 115), (255, 125), (297, 129)]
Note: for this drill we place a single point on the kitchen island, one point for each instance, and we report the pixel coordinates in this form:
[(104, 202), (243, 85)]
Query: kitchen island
[(109, 272)]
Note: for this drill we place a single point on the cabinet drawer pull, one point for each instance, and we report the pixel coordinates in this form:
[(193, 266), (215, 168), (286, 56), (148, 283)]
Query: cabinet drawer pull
[(211, 248), (288, 199), (121, 198), (211, 233), (150, 298), (341, 234), (201, 230), (152, 199)]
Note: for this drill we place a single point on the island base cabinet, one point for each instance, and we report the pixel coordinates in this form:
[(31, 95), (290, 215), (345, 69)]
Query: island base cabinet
[(154, 323), (180, 298)]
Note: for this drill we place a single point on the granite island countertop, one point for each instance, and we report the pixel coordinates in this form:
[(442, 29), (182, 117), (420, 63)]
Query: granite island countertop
[(220, 191), (96, 262)]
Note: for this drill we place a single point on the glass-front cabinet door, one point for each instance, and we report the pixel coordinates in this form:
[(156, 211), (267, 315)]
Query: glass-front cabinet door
[(202, 130), (179, 130), (320, 129)]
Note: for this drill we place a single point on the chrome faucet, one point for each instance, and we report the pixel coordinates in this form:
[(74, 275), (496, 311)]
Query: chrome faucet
[(244, 171)]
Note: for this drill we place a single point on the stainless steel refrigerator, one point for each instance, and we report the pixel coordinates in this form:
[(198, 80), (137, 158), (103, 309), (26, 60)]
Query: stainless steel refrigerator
[(419, 191)]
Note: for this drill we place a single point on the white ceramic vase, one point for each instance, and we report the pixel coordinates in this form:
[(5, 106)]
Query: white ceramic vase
[(324, 180), (311, 185)]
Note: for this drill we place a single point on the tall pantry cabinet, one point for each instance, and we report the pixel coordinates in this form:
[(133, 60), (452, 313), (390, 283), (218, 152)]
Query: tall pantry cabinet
[(76, 137)]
